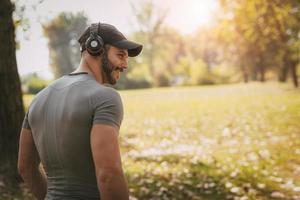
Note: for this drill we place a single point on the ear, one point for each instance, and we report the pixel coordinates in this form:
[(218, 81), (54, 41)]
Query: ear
[(101, 52)]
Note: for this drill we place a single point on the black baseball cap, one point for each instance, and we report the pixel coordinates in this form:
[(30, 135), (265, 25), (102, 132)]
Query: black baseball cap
[(111, 35)]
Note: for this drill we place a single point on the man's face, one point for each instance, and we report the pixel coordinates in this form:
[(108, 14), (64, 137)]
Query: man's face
[(114, 61)]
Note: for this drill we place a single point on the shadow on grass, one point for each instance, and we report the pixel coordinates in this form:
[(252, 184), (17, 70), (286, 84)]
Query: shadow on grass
[(190, 180), (178, 178)]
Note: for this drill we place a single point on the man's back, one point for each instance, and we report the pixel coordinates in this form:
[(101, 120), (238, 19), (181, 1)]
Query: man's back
[(61, 118)]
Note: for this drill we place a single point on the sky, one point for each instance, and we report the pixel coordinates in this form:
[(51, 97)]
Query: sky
[(33, 55)]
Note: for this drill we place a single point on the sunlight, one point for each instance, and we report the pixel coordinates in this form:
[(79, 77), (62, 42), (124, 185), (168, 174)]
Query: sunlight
[(200, 9), (188, 16)]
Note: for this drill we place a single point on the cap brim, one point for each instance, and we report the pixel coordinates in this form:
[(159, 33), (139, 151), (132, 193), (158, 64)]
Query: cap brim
[(133, 48)]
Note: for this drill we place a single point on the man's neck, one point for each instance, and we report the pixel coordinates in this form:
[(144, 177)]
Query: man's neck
[(91, 69)]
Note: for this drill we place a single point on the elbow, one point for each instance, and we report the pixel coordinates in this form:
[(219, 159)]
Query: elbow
[(106, 175), (21, 169), (24, 169)]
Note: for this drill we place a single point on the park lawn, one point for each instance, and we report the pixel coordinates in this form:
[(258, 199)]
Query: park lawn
[(239, 141)]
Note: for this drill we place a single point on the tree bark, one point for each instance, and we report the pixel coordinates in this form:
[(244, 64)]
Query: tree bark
[(294, 73), (246, 79), (283, 73), (254, 73), (290, 65), (11, 104), (245, 73), (262, 73), (261, 68)]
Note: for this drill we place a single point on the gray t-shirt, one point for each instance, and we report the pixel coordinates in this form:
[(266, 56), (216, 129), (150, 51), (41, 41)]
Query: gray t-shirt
[(60, 118)]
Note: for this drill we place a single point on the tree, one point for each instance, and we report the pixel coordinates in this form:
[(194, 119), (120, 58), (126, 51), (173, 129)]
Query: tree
[(171, 48), (204, 45), (11, 104), (63, 32), (150, 19), (288, 37), (33, 83), (265, 35)]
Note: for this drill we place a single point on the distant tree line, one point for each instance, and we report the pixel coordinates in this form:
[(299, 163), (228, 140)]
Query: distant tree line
[(251, 40), (262, 36)]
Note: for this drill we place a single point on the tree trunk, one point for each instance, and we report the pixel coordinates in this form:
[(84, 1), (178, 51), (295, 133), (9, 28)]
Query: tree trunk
[(291, 65), (262, 73), (294, 73), (261, 68), (246, 79), (283, 73), (245, 73), (11, 104), (254, 73)]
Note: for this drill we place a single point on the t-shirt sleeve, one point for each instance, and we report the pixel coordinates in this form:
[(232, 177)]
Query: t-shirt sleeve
[(26, 122), (108, 108)]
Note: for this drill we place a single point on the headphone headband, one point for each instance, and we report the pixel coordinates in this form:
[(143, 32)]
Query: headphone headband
[(94, 28)]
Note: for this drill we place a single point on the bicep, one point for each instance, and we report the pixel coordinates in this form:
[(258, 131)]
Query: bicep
[(108, 108), (28, 155), (105, 148)]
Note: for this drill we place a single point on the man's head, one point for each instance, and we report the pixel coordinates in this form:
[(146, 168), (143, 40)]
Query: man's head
[(105, 43)]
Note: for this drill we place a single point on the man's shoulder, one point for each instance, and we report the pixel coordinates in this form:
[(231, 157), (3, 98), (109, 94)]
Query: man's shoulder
[(69, 81), (85, 88), (104, 92)]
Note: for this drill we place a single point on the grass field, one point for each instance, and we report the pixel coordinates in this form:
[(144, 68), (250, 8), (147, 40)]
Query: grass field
[(213, 142)]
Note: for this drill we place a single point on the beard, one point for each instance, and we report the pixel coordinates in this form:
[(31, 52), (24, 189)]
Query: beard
[(107, 69)]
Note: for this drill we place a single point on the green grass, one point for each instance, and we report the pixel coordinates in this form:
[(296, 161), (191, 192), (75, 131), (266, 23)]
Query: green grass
[(212, 142)]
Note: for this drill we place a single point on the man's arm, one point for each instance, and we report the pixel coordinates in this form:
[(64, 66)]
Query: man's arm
[(28, 165), (107, 159)]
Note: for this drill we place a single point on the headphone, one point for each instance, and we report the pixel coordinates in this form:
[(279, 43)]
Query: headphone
[(94, 44)]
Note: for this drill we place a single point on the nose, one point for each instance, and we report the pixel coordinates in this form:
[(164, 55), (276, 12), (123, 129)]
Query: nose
[(124, 64)]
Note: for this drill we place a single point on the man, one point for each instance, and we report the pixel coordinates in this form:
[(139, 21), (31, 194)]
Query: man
[(72, 126)]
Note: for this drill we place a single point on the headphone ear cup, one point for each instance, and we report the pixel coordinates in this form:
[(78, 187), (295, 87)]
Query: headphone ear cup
[(94, 45)]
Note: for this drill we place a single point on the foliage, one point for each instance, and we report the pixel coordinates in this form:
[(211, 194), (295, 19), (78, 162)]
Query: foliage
[(137, 75), (176, 59), (261, 35), (153, 34), (204, 44), (63, 32), (250, 39), (199, 73), (32, 83), (21, 15)]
